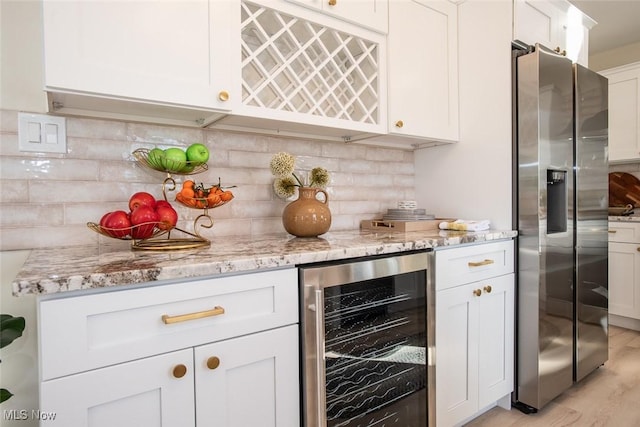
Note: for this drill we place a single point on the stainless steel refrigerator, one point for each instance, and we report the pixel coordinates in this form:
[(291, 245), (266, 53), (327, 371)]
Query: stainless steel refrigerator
[(560, 211)]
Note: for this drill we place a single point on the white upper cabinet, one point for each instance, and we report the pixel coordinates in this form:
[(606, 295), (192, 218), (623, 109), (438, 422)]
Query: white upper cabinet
[(155, 54), (368, 13), (555, 24), (270, 66), (624, 112), (422, 56)]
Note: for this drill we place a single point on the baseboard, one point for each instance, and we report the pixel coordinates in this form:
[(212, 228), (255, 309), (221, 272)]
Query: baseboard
[(624, 322)]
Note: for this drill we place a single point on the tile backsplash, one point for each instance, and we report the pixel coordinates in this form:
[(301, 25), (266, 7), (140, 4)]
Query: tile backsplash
[(47, 199), (632, 168)]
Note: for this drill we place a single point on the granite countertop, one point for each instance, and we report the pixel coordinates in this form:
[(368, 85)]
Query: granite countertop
[(627, 218), (56, 270)]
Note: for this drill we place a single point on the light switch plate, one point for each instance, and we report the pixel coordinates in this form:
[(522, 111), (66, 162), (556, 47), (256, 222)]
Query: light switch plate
[(42, 133)]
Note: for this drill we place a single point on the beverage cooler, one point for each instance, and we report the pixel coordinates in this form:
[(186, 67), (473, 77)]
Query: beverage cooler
[(367, 329)]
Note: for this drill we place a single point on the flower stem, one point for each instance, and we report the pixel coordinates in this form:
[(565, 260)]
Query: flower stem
[(298, 179)]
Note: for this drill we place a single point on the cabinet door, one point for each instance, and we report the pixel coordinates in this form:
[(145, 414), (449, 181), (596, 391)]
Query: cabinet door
[(536, 21), (306, 74), (624, 112), (456, 354), (147, 392), (165, 52), (367, 13), (249, 381), (495, 338), (624, 279), (555, 25), (423, 69)]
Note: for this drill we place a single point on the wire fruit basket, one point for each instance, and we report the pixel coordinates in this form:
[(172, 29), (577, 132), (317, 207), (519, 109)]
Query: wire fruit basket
[(159, 162), (157, 235)]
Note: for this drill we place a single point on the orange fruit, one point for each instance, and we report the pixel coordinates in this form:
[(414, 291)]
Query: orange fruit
[(187, 193), (213, 199)]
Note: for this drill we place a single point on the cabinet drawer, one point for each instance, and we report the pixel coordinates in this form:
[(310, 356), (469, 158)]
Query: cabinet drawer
[(90, 331), (468, 264), (624, 232)]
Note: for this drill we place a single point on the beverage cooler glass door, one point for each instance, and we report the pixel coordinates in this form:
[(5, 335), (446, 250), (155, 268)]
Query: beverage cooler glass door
[(366, 343)]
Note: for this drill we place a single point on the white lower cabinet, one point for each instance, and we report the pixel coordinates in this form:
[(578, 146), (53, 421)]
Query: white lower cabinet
[(256, 383), (139, 393), (624, 274), (250, 378), (474, 331)]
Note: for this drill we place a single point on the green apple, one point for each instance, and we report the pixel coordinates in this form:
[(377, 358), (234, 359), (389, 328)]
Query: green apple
[(197, 154), (155, 158), (174, 159), (187, 168)]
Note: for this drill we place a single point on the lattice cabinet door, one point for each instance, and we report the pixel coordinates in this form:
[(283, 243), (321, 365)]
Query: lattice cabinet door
[(301, 71)]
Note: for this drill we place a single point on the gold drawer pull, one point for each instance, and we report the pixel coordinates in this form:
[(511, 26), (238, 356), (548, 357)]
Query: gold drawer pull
[(223, 95), (333, 2), (477, 292), (216, 311), (179, 371), (399, 123), (481, 263), (487, 289), (213, 362), (613, 231)]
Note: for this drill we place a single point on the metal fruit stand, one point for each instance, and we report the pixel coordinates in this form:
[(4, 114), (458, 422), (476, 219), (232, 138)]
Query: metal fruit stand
[(167, 239)]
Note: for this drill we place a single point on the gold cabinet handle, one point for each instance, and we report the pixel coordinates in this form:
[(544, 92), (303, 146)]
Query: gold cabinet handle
[(613, 231), (487, 289), (638, 249), (480, 263), (399, 123), (216, 311), (179, 371), (477, 292), (213, 362), (223, 95), (333, 2)]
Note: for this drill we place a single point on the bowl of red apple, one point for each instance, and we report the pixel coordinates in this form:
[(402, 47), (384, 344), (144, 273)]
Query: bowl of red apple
[(146, 218)]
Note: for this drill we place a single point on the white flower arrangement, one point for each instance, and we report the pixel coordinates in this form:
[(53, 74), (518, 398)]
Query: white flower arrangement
[(283, 166)]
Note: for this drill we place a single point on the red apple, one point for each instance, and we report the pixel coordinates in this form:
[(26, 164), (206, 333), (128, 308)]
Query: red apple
[(167, 216), (144, 219), (103, 220), (141, 198), (162, 202), (116, 224)]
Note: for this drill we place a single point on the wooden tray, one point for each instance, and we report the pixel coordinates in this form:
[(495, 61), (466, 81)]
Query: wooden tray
[(402, 226), (624, 189)]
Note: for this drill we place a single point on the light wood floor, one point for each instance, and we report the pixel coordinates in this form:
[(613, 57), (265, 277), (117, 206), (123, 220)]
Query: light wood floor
[(608, 397)]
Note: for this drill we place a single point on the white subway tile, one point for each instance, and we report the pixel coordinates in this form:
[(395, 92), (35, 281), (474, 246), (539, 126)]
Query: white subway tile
[(14, 190), (18, 215), (94, 128), (165, 135), (48, 169)]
